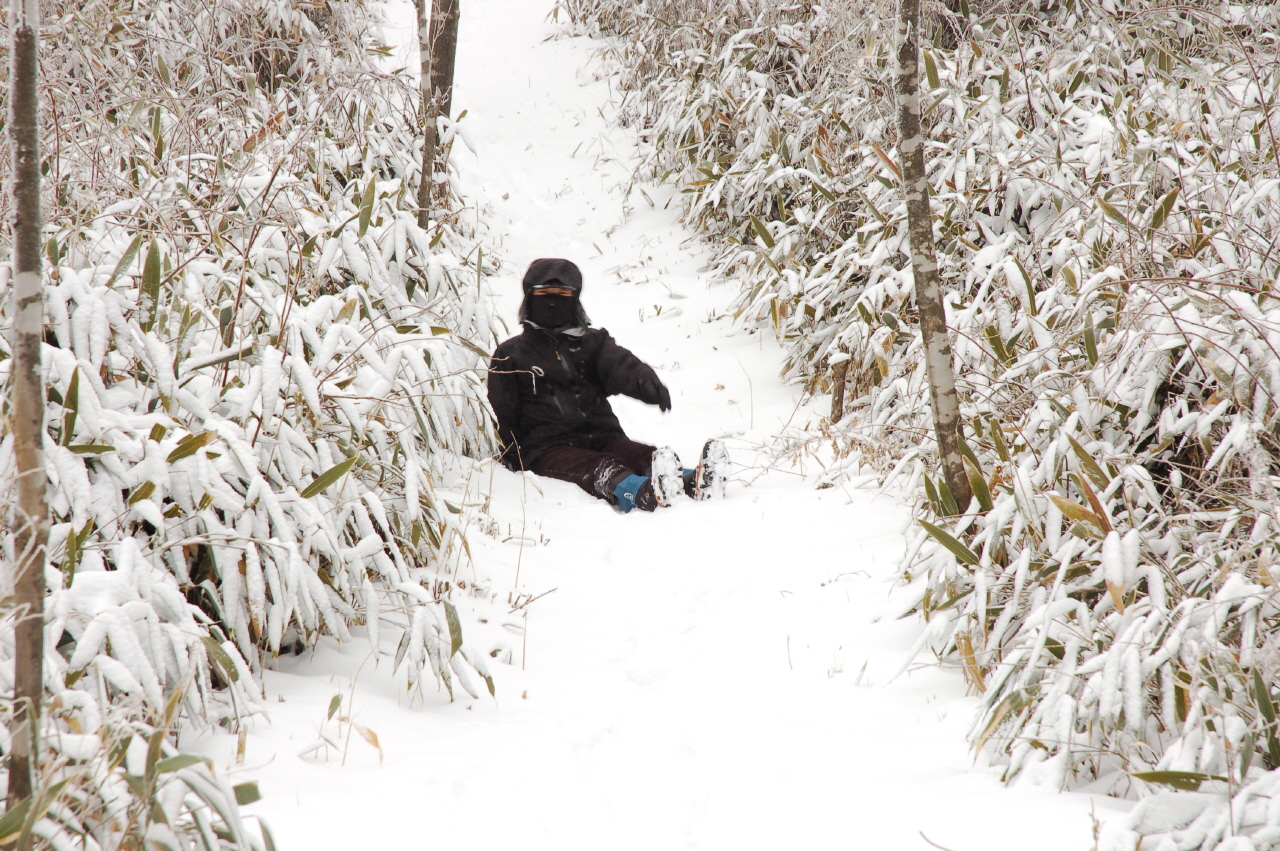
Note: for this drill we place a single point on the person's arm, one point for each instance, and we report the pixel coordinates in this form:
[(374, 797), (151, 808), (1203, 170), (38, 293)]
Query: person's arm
[(504, 398), (621, 372)]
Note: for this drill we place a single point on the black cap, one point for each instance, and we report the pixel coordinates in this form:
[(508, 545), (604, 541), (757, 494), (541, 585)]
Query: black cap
[(552, 272)]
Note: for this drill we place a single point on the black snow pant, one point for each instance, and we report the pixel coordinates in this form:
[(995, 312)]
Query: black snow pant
[(597, 472)]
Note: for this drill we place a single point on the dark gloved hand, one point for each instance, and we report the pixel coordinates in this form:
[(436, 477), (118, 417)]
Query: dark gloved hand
[(655, 392)]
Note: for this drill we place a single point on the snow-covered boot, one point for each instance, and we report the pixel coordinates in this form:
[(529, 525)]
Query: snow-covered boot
[(667, 479), (708, 479)]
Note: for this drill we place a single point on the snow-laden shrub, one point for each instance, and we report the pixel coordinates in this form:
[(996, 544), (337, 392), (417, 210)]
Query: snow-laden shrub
[(109, 774), (259, 368), (1104, 182)]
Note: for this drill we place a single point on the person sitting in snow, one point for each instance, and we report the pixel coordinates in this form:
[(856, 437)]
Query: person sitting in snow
[(549, 389)]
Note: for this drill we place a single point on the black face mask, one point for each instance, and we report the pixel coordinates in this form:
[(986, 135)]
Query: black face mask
[(553, 311)]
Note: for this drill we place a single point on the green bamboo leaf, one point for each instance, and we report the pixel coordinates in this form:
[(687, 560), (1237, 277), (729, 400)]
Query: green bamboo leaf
[(1075, 511), (931, 71), (90, 448), (1090, 340), (247, 793), (1164, 208), (220, 659), (182, 760), (997, 437), (992, 334), (1095, 471), (1224, 379), (948, 500), (126, 259), (1114, 214), (13, 819), (143, 491), (149, 291), (336, 703), (978, 484), (72, 554), (72, 405), (932, 494), (189, 446), (1011, 705), (18, 820), (455, 627), (762, 231), (1185, 781), (366, 206), (328, 477), (154, 746), (958, 549), (157, 132), (1262, 694), (401, 650), (1031, 290)]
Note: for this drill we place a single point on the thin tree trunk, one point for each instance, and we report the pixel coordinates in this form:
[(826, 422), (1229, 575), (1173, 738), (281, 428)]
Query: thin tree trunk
[(924, 264), (437, 47), (444, 49), (27, 388), (427, 113), (839, 373)]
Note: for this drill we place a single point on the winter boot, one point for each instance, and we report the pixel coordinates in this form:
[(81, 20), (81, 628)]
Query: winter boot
[(667, 478), (708, 479), (635, 492)]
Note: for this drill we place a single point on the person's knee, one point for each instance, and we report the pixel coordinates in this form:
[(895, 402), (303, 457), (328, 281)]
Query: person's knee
[(609, 475)]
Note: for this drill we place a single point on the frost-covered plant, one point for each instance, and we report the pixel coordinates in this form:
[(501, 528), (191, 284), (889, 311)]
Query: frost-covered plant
[(1104, 179), (259, 366), (109, 775)]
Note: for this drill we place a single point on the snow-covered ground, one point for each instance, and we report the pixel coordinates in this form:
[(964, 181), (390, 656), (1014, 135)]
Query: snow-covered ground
[(717, 675)]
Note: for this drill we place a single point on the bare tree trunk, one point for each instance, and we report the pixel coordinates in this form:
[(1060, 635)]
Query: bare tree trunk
[(427, 113), (924, 264), (437, 47), (444, 50), (27, 387)]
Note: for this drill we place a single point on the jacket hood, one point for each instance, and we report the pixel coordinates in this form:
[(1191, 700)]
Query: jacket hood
[(553, 270)]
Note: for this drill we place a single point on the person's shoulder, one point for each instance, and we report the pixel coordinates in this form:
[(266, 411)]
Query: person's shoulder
[(507, 346), (597, 335)]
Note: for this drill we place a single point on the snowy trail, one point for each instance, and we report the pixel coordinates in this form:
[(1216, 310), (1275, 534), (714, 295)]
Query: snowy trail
[(712, 676)]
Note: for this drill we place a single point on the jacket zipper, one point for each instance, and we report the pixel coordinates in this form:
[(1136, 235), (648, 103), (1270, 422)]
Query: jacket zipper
[(572, 378)]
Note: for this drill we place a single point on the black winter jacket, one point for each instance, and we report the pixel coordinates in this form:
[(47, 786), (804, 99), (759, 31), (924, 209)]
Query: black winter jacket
[(549, 389)]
